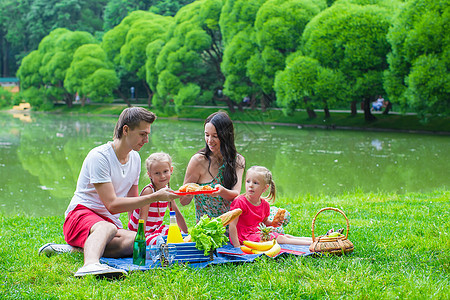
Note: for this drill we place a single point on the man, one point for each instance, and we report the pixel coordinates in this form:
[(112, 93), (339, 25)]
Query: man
[(107, 186)]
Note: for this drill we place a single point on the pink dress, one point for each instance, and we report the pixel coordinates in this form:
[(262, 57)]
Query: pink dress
[(153, 225), (251, 217)]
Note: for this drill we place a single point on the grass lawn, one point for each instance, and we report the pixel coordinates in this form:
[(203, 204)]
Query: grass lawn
[(402, 250)]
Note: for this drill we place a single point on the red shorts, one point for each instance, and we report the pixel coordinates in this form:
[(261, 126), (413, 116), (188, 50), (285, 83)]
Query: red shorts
[(78, 223)]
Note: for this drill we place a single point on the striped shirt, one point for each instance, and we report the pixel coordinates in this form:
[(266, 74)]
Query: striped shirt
[(153, 225)]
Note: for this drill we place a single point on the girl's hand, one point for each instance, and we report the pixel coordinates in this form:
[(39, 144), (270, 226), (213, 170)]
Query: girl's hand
[(278, 224)]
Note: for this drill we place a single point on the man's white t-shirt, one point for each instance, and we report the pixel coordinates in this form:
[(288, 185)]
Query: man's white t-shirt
[(101, 165)]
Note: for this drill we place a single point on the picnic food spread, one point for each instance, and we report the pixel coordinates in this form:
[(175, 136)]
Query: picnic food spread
[(193, 187)]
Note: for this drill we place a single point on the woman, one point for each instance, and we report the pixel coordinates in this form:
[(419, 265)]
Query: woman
[(218, 165)]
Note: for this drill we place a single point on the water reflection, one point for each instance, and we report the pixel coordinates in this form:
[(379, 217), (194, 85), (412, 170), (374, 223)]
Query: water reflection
[(40, 161)]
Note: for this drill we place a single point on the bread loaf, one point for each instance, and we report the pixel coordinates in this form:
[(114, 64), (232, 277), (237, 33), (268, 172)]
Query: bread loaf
[(279, 217)]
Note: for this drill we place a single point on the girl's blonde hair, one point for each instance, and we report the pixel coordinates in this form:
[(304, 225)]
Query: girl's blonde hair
[(158, 156), (268, 180)]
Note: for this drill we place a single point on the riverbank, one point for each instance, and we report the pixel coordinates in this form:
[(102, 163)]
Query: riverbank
[(340, 120), (402, 250)]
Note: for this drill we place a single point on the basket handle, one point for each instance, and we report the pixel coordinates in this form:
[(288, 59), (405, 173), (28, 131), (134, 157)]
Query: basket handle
[(329, 208)]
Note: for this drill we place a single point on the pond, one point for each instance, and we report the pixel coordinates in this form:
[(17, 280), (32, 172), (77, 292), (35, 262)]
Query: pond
[(41, 156)]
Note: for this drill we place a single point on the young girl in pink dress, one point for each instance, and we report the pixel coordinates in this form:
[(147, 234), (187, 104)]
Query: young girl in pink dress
[(159, 169), (256, 210)]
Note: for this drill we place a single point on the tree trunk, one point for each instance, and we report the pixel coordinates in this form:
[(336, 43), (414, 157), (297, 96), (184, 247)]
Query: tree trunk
[(68, 100), (229, 103), (149, 93), (4, 49), (353, 110), (326, 110), (253, 102), (124, 98), (311, 113), (368, 116), (263, 103), (388, 108)]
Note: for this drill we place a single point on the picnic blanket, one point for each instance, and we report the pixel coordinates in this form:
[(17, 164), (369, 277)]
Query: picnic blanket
[(225, 254)]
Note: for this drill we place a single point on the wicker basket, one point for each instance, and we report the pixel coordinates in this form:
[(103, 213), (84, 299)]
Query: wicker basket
[(333, 245)]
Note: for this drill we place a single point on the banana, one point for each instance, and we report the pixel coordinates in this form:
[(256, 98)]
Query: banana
[(274, 250), (261, 246), (246, 249), (271, 252)]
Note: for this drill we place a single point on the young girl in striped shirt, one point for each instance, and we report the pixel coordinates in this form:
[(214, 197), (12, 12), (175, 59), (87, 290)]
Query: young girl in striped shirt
[(159, 169)]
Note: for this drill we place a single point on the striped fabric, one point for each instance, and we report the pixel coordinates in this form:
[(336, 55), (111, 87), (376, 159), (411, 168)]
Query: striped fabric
[(153, 225)]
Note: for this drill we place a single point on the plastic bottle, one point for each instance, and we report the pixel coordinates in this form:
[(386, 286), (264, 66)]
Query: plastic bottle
[(174, 235), (139, 248)]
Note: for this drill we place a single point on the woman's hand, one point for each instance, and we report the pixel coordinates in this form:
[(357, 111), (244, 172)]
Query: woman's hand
[(219, 191), (185, 200)]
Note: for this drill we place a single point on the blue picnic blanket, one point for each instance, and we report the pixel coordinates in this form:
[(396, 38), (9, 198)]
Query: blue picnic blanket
[(225, 254)]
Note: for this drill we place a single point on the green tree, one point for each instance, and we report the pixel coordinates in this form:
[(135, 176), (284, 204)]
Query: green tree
[(149, 28), (237, 28), (91, 74), (52, 59), (117, 10), (351, 39), (279, 25), (305, 83), (190, 57), (419, 63)]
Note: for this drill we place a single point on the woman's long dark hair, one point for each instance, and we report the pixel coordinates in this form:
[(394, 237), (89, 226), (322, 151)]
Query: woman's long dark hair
[(225, 132)]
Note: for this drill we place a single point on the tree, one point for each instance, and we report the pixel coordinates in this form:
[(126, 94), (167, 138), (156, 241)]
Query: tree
[(91, 74), (190, 57), (52, 59), (237, 28), (279, 25), (305, 83), (117, 10), (351, 39), (419, 63), (143, 31)]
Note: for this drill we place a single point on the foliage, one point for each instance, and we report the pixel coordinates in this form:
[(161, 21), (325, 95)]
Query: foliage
[(46, 68), (25, 23), (278, 28), (419, 63), (91, 74), (306, 84), (236, 25), (191, 54), (351, 39)]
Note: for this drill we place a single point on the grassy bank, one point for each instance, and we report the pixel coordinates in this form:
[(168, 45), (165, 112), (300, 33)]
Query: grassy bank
[(402, 250), (338, 120)]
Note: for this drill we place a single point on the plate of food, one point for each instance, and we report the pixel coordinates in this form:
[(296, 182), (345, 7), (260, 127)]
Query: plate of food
[(195, 189)]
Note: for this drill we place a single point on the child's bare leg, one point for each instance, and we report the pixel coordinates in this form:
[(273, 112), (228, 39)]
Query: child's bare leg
[(284, 239), (303, 238)]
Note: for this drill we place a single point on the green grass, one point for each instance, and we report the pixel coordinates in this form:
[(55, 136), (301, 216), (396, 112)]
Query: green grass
[(342, 120), (402, 250)]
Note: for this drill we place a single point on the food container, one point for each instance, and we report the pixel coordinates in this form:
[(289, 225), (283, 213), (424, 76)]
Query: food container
[(186, 252), (331, 245)]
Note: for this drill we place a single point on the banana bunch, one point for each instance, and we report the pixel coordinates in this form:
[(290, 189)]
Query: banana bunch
[(271, 248)]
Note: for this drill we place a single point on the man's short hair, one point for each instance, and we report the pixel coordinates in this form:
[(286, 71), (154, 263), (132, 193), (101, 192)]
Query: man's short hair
[(132, 117)]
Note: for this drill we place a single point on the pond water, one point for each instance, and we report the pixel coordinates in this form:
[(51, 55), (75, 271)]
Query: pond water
[(41, 156)]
